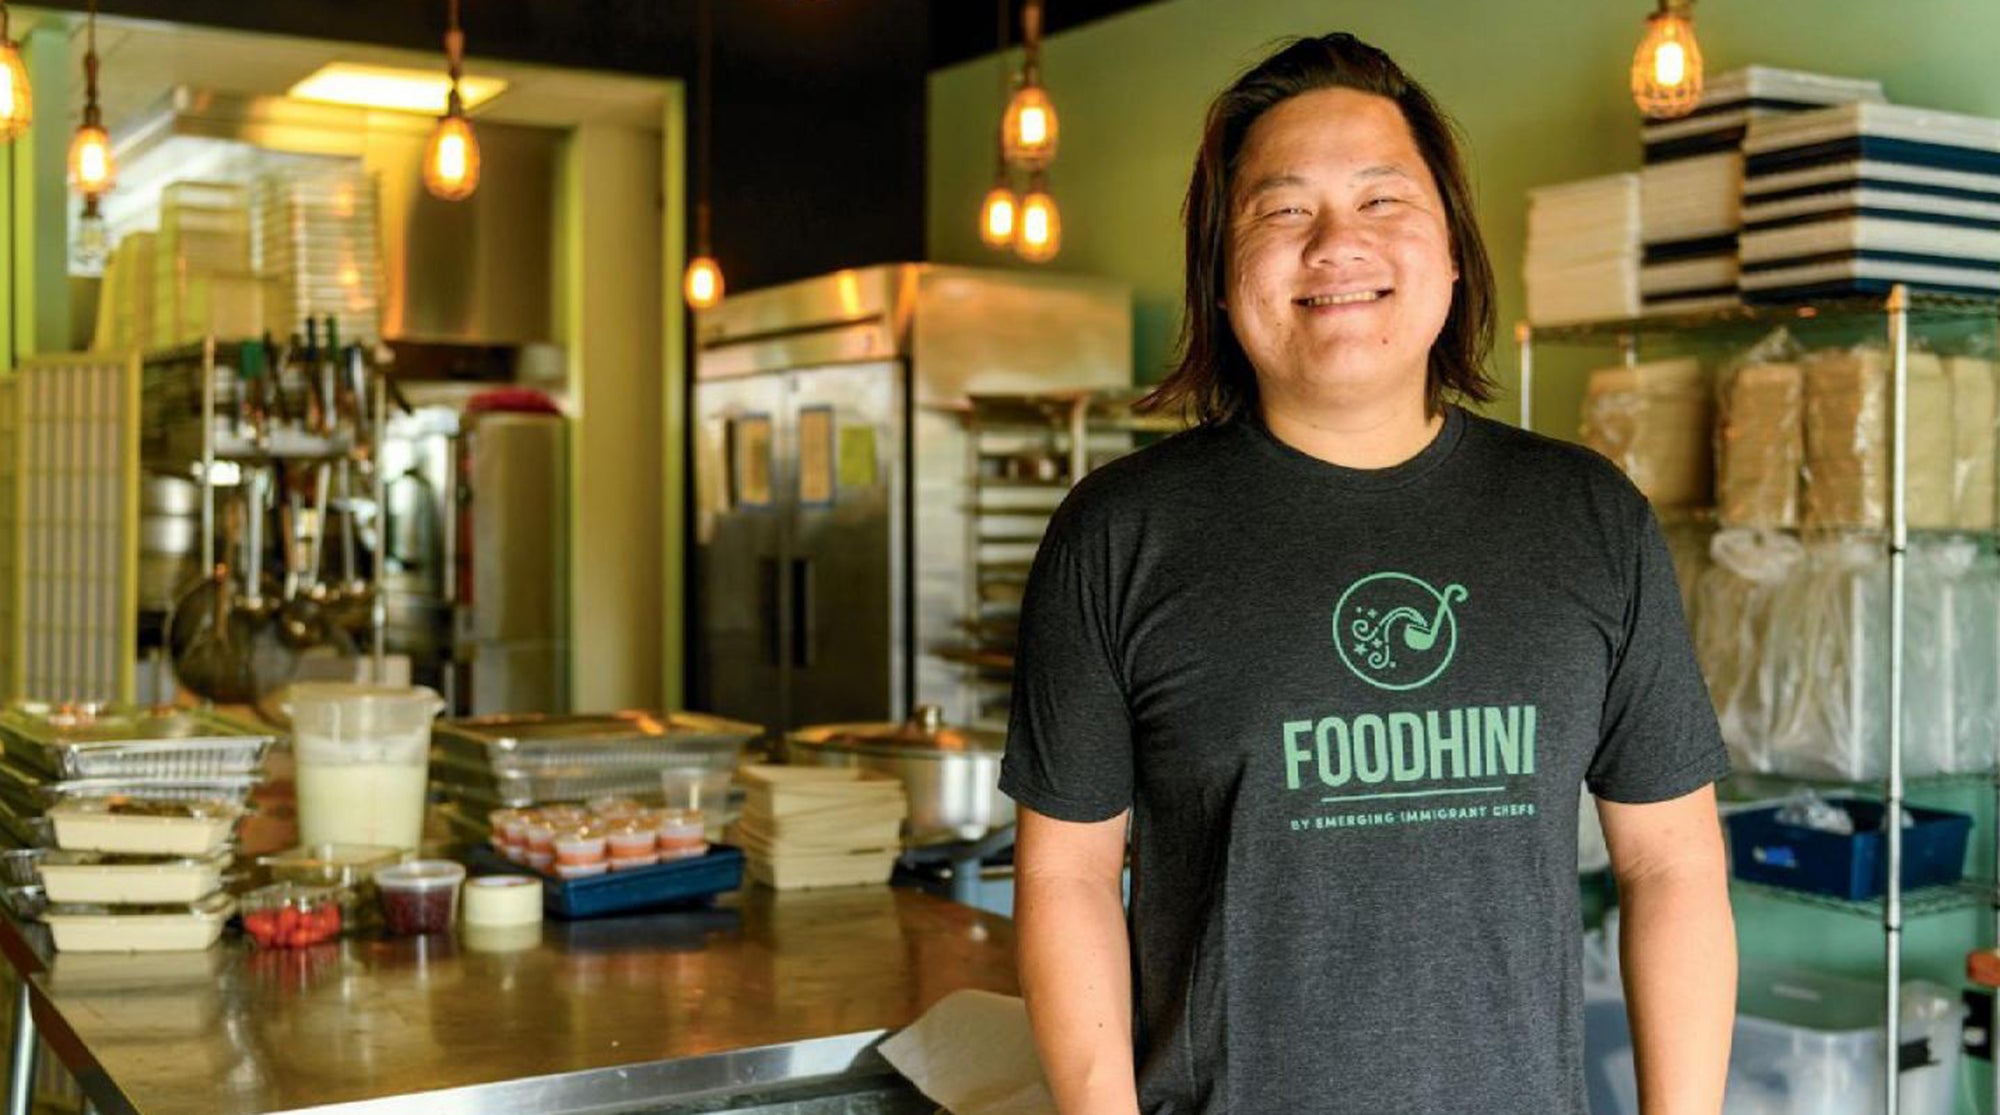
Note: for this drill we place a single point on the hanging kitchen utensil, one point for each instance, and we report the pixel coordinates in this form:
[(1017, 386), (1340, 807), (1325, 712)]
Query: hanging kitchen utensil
[(352, 603), (215, 662), (259, 600)]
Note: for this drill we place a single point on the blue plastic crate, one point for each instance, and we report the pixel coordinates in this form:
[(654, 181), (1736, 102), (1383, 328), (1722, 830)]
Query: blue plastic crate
[(1853, 867), (696, 879)]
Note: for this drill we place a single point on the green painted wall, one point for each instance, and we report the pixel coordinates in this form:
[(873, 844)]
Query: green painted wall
[(1538, 88)]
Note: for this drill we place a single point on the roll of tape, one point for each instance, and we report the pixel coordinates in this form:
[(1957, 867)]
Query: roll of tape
[(503, 900), (502, 938)]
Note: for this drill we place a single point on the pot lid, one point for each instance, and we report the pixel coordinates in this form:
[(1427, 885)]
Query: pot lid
[(925, 730)]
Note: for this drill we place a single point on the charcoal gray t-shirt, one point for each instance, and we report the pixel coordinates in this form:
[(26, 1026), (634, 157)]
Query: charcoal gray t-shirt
[(1349, 710)]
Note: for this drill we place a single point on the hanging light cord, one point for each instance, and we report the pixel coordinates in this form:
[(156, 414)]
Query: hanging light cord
[(454, 55), (90, 110), (1031, 43), (705, 121)]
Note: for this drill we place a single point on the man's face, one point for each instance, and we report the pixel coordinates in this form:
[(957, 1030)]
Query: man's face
[(1339, 263)]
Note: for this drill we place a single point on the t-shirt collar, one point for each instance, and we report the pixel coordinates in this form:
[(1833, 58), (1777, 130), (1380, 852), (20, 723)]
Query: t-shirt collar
[(1357, 479)]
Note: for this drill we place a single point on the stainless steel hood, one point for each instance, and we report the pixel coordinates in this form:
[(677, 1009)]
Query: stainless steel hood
[(471, 272)]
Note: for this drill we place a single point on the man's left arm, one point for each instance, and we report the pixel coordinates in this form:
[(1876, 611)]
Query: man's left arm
[(1677, 948)]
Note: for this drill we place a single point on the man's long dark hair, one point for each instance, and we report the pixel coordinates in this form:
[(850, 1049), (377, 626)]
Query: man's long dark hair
[(1214, 381)]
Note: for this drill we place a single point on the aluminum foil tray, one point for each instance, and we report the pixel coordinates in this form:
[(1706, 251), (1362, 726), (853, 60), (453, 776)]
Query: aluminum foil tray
[(537, 744), (29, 792), (119, 742)]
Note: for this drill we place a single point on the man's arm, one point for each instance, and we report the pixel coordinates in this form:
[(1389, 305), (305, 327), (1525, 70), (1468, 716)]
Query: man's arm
[(1677, 948), (1075, 960)]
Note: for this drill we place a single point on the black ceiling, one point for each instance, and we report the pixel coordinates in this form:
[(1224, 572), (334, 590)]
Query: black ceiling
[(634, 36)]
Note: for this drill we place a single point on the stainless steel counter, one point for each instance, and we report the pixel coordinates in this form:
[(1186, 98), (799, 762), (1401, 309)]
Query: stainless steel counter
[(710, 1010)]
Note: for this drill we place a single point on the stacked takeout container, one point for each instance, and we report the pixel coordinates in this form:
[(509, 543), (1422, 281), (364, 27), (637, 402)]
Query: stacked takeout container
[(814, 826), (1691, 187), (1856, 198), (1583, 250), (126, 820)]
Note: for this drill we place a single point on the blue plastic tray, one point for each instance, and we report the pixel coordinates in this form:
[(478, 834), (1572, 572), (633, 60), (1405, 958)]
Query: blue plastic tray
[(1851, 867), (643, 888)]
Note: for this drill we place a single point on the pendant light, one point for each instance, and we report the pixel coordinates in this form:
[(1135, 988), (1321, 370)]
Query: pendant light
[(17, 100), (999, 213), (93, 239), (91, 170), (451, 158), (702, 284), (1029, 130), (1666, 69), (1040, 235)]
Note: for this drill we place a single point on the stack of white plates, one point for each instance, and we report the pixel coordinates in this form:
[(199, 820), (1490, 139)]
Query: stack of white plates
[(1852, 199), (1583, 250), (1691, 188)]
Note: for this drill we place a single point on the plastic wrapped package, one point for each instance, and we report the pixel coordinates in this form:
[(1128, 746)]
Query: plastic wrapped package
[(1825, 660), (1733, 614), (1759, 442), (1846, 482), (1653, 420), (1974, 420)]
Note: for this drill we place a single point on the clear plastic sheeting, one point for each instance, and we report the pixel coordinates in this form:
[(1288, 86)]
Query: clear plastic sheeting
[(1759, 438), (1734, 601), (1822, 664), (1653, 421)]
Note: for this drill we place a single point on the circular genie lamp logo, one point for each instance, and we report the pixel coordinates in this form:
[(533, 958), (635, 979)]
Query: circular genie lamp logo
[(1395, 631)]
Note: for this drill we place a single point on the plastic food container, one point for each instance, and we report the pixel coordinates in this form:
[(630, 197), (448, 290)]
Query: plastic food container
[(140, 928), (94, 877), (363, 761), (290, 915), (420, 896), (135, 826), (350, 867), (630, 842), (578, 846), (681, 834), (579, 870)]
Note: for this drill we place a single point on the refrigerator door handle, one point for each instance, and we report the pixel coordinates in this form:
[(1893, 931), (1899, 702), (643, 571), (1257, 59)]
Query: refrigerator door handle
[(805, 633), (768, 590)]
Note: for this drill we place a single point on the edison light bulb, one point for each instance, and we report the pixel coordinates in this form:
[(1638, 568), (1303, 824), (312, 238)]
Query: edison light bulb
[(997, 217), (17, 101), (1029, 131), (1041, 228), (451, 159), (703, 284), (90, 167), (1666, 69)]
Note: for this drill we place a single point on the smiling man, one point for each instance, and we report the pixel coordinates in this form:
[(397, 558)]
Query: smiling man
[(1338, 658)]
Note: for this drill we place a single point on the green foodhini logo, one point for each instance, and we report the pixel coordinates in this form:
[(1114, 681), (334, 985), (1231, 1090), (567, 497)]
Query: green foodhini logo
[(1395, 631)]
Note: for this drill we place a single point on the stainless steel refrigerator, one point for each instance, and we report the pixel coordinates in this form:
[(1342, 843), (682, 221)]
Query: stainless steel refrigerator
[(834, 548), (475, 567)]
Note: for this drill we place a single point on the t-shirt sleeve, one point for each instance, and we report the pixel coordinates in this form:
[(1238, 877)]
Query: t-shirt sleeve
[(1069, 734), (1658, 738)]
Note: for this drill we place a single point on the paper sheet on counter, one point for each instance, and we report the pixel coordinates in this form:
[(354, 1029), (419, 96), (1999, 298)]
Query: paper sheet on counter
[(973, 1054)]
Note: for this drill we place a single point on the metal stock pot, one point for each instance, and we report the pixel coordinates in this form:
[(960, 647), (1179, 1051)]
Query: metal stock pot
[(952, 775)]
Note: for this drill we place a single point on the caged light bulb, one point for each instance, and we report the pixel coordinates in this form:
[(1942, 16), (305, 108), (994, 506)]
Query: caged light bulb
[(1041, 227), (702, 284), (17, 100), (1666, 69), (451, 159), (998, 217)]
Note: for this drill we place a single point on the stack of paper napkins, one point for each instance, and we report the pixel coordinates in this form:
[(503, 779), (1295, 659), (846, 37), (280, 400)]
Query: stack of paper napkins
[(1856, 198), (1691, 188), (1583, 250), (813, 826)]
